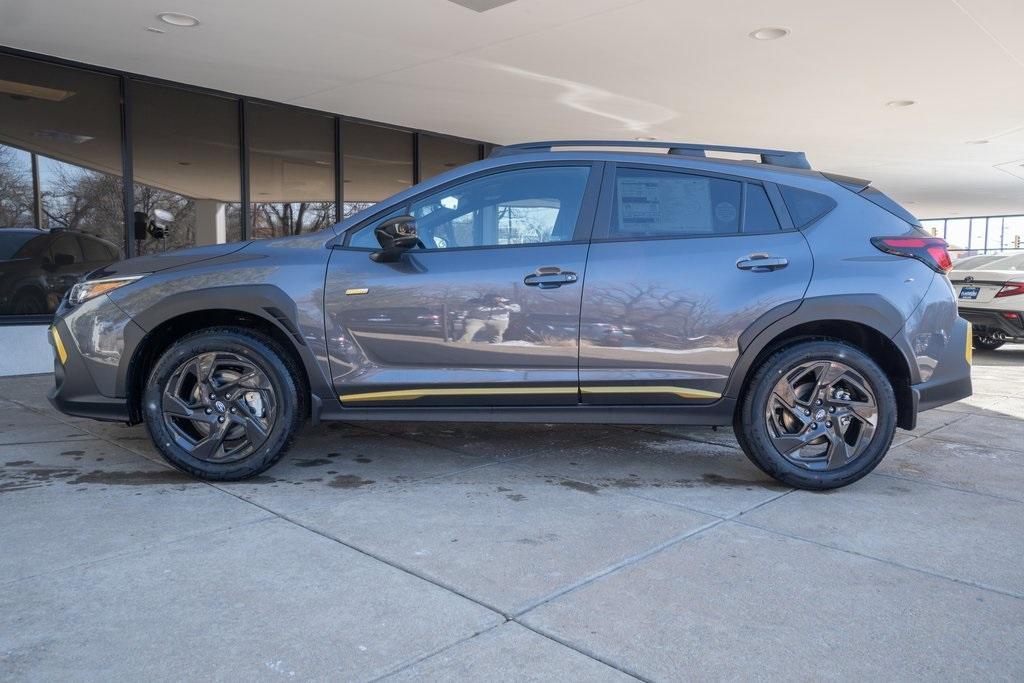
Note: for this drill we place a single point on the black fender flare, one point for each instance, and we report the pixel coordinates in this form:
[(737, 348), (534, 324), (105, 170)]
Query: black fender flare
[(870, 310), (264, 301)]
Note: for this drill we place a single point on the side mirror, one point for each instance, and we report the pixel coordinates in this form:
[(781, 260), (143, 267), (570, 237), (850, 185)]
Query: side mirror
[(396, 236)]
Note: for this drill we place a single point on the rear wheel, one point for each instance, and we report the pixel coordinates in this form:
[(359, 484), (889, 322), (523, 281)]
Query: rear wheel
[(224, 403), (988, 342), (817, 415)]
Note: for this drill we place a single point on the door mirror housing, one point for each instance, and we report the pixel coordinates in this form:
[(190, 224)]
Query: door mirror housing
[(396, 236)]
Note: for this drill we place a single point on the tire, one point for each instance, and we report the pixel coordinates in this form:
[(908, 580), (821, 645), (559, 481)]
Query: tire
[(774, 427), (987, 343), (232, 384)]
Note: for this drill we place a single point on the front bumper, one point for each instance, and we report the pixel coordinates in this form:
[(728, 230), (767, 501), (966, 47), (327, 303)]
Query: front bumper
[(1009, 323), (88, 345)]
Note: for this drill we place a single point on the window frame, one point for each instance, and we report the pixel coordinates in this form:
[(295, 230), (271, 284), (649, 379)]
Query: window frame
[(603, 219), (581, 232)]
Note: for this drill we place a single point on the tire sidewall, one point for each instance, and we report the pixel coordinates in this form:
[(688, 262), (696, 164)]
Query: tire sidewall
[(261, 353), (755, 438)]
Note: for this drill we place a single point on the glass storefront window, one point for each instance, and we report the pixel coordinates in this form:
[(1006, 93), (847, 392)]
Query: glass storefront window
[(65, 121), (16, 193), (186, 163), (291, 170), (438, 155), (377, 164)]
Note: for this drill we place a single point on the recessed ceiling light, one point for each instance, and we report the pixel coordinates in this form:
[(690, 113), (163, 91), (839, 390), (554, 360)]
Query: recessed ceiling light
[(177, 19), (900, 103), (977, 142), (769, 33)]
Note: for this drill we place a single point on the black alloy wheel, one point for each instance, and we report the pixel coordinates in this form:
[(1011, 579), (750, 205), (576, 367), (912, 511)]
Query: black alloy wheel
[(219, 407), (225, 403), (821, 415)]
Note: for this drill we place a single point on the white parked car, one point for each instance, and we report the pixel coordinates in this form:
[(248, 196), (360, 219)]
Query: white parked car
[(990, 294)]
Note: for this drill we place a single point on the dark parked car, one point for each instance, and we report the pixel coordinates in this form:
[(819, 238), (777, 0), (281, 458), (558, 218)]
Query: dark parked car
[(561, 282), (38, 266)]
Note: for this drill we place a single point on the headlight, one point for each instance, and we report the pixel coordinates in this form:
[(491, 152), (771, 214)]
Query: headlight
[(89, 289)]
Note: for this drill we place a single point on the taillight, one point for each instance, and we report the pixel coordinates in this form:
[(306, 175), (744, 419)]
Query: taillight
[(1011, 289), (930, 251)]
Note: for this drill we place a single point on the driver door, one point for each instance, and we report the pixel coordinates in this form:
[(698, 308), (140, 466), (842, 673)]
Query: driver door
[(485, 312)]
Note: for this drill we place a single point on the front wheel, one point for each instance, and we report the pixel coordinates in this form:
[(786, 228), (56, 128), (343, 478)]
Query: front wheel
[(987, 342), (224, 403), (817, 415)]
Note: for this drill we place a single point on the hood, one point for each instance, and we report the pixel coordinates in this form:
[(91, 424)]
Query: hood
[(154, 263)]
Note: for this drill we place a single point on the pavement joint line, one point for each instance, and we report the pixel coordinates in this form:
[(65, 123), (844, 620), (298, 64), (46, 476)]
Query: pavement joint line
[(433, 653), (586, 652), (950, 487), (137, 550), (368, 553), (882, 560), (684, 506), (613, 568)]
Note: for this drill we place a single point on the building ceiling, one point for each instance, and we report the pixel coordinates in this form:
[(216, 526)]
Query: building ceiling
[(668, 69)]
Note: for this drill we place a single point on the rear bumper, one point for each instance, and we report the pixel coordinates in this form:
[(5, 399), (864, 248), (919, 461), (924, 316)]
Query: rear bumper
[(951, 379), (995, 320), (75, 392)]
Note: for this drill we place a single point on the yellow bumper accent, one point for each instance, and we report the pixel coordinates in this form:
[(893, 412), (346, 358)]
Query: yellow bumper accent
[(59, 345), (413, 394), (969, 351)]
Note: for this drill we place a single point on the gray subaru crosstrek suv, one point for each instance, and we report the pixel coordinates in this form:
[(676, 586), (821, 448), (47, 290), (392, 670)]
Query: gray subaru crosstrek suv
[(575, 281)]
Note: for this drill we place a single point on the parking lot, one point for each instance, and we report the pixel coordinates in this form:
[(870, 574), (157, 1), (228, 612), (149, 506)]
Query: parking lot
[(512, 551)]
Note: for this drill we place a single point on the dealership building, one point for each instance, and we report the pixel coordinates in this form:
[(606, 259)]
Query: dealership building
[(128, 130)]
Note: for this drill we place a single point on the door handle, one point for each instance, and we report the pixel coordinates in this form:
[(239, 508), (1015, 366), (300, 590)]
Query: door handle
[(761, 263), (549, 278)]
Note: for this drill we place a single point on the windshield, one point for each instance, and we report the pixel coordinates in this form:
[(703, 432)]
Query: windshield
[(11, 242)]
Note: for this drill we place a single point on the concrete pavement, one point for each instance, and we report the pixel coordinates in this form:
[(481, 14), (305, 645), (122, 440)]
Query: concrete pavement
[(529, 552)]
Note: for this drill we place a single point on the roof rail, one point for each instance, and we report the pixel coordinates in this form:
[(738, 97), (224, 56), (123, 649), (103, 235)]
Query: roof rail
[(771, 157)]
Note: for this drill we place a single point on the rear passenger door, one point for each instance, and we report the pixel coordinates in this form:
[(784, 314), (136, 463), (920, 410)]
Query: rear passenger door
[(681, 263)]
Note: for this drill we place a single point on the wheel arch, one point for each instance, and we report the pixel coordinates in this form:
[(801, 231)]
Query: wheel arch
[(263, 308), (869, 323)]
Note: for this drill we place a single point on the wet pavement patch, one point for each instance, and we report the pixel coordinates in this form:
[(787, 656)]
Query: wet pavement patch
[(579, 486), (311, 462), (133, 478), (348, 481)]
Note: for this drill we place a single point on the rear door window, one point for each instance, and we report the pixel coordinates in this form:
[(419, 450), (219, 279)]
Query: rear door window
[(652, 203)]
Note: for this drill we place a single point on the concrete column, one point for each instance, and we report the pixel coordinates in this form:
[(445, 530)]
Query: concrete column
[(211, 222)]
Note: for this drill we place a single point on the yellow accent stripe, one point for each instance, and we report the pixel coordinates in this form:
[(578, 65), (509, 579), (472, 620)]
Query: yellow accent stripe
[(413, 394), (59, 345), (969, 352), (681, 392)]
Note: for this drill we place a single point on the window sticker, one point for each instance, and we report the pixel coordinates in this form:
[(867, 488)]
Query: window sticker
[(670, 204)]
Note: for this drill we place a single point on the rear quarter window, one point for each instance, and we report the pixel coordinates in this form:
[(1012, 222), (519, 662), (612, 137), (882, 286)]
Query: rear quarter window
[(805, 206)]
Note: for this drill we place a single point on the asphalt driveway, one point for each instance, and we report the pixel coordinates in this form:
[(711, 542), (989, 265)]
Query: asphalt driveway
[(512, 551)]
